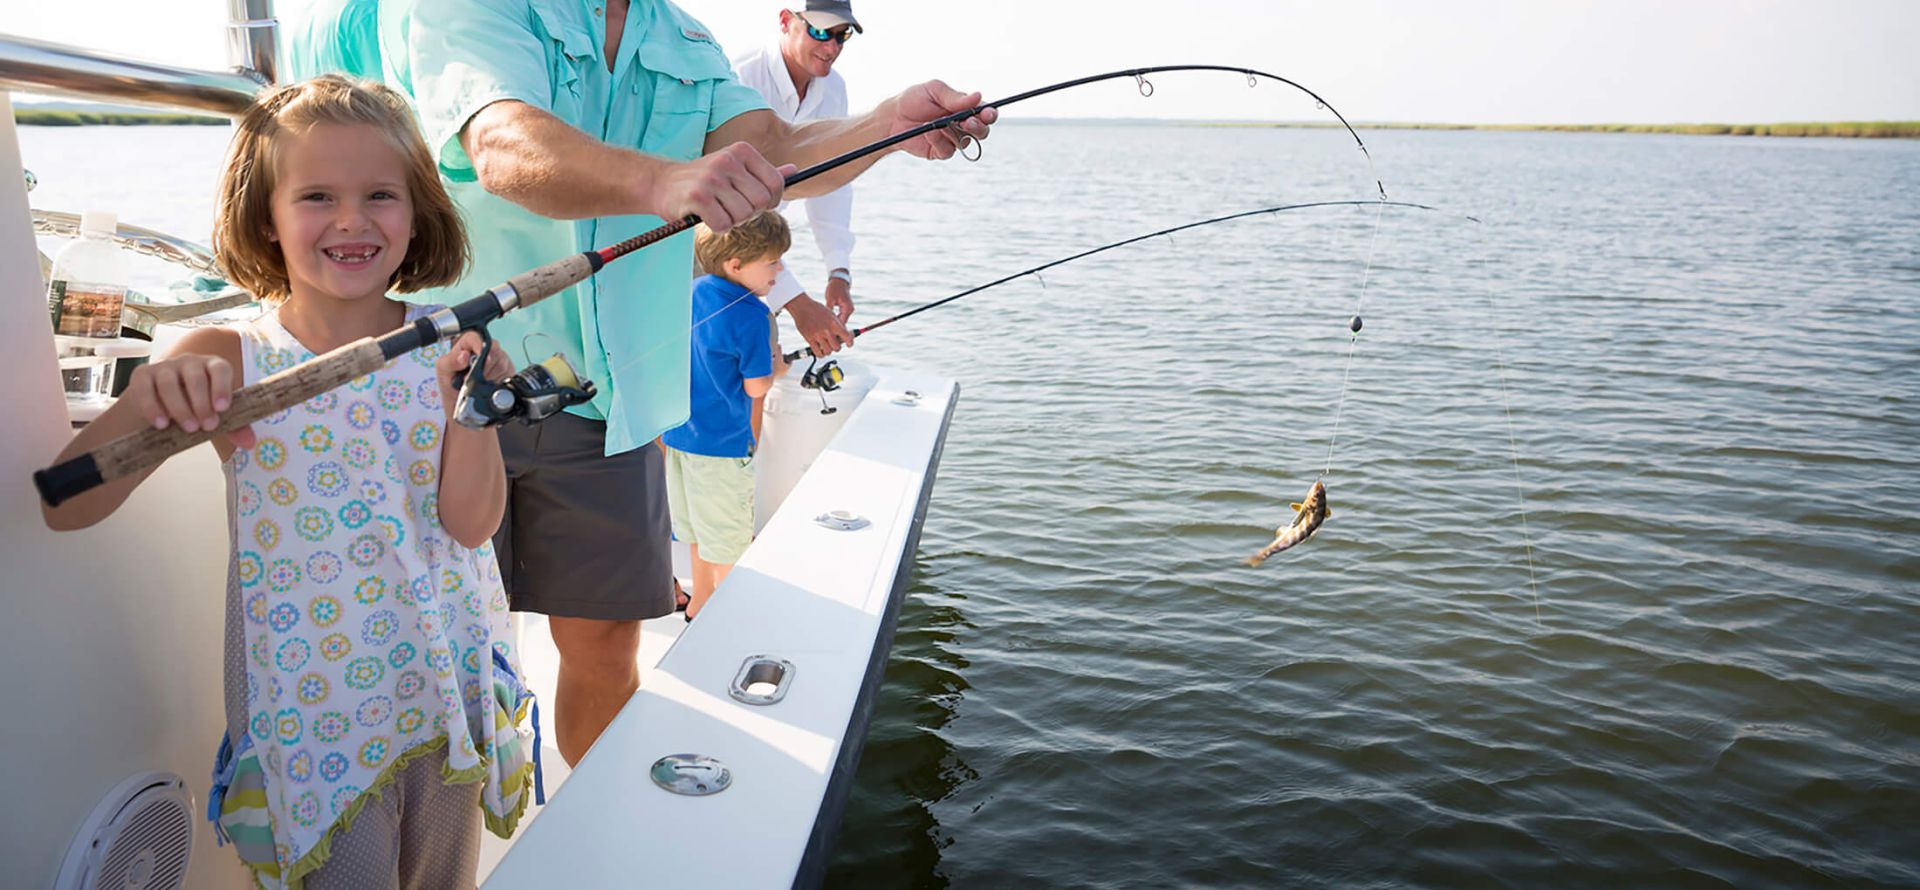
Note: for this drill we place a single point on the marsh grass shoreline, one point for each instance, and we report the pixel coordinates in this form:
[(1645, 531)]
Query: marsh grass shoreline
[(1841, 129)]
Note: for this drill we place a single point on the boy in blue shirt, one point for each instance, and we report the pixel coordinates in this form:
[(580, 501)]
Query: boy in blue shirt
[(710, 457)]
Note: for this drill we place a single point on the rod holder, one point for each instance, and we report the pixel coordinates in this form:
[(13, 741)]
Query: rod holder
[(761, 671)]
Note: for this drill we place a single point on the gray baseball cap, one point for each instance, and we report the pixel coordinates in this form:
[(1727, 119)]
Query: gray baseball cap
[(829, 14)]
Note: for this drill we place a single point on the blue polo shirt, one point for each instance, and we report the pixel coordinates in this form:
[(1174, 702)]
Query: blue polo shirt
[(731, 345), (670, 86)]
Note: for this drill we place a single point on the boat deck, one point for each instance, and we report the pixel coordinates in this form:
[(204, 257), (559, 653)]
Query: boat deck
[(541, 664)]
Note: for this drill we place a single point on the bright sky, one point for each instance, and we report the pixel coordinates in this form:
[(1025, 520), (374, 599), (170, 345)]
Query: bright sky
[(1468, 61)]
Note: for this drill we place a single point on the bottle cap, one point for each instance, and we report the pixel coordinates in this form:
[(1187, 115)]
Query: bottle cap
[(123, 347), (99, 222)]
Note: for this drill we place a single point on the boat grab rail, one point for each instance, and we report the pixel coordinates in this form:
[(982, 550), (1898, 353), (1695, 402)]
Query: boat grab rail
[(160, 245), (139, 239), (40, 66)]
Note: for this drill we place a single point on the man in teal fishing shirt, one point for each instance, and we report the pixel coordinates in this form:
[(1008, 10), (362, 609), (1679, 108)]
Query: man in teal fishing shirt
[(567, 125)]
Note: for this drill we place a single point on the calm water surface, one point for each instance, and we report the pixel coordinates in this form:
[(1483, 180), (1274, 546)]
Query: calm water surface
[(1712, 352)]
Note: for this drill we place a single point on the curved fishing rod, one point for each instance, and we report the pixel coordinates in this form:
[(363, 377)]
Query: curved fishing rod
[(668, 230), (1146, 89), (138, 452), (807, 352)]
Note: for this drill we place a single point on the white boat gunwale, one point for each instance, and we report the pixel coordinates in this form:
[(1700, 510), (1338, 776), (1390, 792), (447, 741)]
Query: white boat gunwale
[(826, 823), (804, 593)]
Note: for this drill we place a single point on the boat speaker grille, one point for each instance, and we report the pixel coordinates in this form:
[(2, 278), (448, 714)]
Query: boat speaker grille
[(139, 836)]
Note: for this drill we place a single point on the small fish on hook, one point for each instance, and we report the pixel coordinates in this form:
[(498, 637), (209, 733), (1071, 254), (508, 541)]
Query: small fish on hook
[(1307, 517)]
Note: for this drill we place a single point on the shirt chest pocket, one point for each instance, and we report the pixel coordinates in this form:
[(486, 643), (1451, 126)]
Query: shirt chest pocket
[(682, 74), (571, 54)]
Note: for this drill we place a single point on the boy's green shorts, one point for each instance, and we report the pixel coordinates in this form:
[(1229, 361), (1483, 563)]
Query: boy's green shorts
[(711, 499)]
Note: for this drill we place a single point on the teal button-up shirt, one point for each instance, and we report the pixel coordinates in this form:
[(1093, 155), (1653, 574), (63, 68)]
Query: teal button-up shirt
[(626, 327), (332, 37)]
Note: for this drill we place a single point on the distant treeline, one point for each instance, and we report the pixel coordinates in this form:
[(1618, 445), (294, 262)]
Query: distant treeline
[(31, 118), (1855, 129)]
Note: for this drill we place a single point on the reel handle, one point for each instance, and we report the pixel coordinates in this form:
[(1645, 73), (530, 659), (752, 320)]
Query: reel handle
[(138, 452)]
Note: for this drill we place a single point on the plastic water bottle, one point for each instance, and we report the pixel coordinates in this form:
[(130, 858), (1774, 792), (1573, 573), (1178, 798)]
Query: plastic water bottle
[(88, 288)]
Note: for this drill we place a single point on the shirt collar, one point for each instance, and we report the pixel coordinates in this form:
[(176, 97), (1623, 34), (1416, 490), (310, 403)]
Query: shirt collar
[(781, 78), (640, 20), (724, 287)]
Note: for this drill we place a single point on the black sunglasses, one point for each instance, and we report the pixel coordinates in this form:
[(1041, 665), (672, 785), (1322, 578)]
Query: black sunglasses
[(841, 34)]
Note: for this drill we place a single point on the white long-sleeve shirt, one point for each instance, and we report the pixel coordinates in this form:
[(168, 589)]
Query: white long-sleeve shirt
[(830, 216)]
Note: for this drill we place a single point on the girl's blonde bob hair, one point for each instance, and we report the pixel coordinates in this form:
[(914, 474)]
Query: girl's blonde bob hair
[(764, 234), (436, 254)]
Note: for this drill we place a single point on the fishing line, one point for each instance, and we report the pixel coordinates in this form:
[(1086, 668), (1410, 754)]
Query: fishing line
[(1036, 270), (1366, 276), (1513, 442), (1506, 404)]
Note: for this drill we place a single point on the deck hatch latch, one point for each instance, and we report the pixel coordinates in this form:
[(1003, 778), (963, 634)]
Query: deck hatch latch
[(842, 520), (694, 775)]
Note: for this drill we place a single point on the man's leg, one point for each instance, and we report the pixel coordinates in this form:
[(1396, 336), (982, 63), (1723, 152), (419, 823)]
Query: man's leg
[(585, 542), (599, 672)]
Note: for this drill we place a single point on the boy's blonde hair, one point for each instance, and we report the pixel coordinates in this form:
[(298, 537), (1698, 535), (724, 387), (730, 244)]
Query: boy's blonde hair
[(437, 252), (763, 235)]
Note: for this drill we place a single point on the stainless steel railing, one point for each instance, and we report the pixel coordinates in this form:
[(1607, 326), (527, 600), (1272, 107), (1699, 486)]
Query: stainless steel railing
[(252, 39), (140, 240), (42, 67)]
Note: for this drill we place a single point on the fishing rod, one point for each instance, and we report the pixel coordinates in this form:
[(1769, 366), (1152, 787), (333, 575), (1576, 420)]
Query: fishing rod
[(807, 352), (142, 451)]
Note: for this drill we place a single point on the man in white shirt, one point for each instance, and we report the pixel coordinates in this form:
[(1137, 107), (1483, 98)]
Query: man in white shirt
[(797, 79)]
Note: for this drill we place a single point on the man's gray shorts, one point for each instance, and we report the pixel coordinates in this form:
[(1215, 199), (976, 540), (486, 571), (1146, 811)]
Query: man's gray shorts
[(585, 535)]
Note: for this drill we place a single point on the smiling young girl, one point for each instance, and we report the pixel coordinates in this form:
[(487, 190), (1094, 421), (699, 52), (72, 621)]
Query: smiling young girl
[(373, 703)]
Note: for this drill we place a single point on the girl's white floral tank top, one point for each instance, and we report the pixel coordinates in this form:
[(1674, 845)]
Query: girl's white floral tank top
[(369, 634)]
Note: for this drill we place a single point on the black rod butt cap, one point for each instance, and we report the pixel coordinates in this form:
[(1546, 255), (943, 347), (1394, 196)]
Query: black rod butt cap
[(63, 481)]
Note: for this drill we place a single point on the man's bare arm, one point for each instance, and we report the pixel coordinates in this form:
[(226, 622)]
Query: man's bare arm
[(530, 157)]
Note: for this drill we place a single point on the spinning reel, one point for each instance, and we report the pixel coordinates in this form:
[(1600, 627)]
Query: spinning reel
[(825, 378), (534, 394)]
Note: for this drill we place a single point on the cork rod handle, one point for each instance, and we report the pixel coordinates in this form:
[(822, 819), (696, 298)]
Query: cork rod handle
[(144, 450)]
